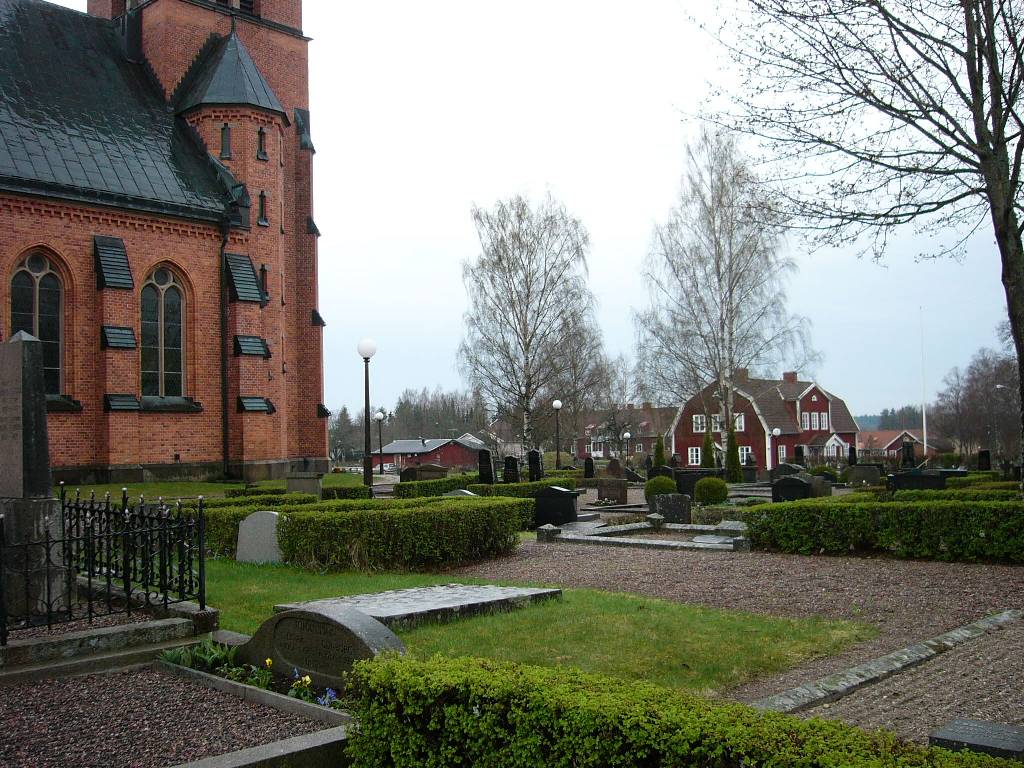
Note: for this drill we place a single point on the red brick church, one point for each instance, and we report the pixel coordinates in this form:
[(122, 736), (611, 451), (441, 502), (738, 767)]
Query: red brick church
[(158, 235)]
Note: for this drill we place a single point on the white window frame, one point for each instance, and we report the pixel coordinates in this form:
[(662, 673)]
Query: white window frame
[(716, 422), (814, 421), (824, 420), (639, 447), (805, 421), (693, 453), (745, 451), (740, 421), (782, 454), (700, 423)]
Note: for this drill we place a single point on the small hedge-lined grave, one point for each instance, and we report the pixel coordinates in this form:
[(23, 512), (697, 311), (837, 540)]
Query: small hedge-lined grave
[(521, 490), (418, 488), (470, 711)]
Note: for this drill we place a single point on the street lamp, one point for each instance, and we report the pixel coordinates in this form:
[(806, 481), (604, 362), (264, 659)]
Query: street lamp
[(367, 348), (379, 418), (626, 436), (557, 405), (775, 433)]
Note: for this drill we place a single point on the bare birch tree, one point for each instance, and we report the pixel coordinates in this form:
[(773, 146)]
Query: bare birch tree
[(716, 281), (525, 289), (583, 370), (885, 113)]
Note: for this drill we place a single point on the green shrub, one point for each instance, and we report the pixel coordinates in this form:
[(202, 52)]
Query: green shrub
[(823, 470), (264, 502), (964, 494), (253, 490), (470, 711), (659, 452), (934, 530), (424, 537), (707, 453), (733, 470), (347, 492), (521, 490), (657, 486), (418, 488), (574, 473), (975, 478), (710, 490)]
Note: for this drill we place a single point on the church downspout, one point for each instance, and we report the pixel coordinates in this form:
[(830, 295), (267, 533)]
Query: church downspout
[(224, 412)]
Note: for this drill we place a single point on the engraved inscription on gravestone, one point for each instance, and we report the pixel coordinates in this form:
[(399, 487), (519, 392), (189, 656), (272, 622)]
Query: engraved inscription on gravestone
[(24, 448)]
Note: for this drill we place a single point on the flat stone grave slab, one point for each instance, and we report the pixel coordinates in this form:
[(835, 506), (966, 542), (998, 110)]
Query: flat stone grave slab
[(993, 739), (408, 607), (710, 539)]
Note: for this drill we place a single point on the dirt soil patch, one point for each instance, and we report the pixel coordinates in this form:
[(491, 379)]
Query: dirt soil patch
[(141, 719)]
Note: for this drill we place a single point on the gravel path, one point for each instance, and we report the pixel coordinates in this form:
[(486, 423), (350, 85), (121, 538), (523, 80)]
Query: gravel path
[(982, 680), (143, 719), (113, 620), (908, 601)]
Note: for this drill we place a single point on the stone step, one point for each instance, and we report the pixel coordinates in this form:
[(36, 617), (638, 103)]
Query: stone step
[(134, 656), (36, 650), (588, 517)]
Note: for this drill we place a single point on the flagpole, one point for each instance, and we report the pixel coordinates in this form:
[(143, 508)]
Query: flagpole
[(924, 394)]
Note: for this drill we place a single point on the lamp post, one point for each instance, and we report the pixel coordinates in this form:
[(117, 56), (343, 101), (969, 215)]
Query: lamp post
[(626, 436), (367, 348), (379, 418), (775, 433), (557, 405)]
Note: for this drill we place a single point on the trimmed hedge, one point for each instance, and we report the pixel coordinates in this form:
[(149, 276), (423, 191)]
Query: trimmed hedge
[(253, 490), (710, 490), (424, 537), (418, 488), (659, 486), (972, 479), (964, 494), (469, 711), (346, 492), (521, 490), (274, 500), (934, 530)]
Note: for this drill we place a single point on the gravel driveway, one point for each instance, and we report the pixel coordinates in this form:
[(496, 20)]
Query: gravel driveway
[(908, 601)]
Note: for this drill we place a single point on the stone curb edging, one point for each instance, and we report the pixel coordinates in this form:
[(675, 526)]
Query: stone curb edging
[(612, 541), (322, 749), (81, 643), (835, 687)]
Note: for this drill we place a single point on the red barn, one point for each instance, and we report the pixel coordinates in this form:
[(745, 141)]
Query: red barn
[(158, 237), (461, 452), (803, 412)]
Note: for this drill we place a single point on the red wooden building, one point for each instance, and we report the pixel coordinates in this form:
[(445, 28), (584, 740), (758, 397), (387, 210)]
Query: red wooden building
[(459, 452), (803, 412)]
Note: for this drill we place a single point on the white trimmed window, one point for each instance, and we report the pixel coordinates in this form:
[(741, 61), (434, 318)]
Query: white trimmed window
[(745, 452), (740, 421), (639, 447), (805, 420), (782, 454), (700, 423), (716, 422), (824, 420), (693, 457), (814, 419)]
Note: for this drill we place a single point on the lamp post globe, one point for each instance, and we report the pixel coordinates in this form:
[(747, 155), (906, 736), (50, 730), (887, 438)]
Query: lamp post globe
[(557, 405), (379, 418), (626, 436), (367, 348)]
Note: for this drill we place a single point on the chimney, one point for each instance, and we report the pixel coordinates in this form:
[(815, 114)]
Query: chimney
[(740, 375), (789, 377), (629, 406), (106, 9)]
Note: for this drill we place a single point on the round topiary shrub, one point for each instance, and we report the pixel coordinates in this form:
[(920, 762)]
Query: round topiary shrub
[(657, 486), (710, 490)]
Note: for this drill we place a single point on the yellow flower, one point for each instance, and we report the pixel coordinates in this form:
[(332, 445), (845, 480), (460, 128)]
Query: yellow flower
[(307, 680), (269, 663)]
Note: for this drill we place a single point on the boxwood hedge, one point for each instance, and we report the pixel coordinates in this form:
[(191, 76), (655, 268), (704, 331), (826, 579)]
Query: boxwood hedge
[(440, 487), (467, 711), (963, 494), (934, 530), (975, 478), (522, 490), (421, 537)]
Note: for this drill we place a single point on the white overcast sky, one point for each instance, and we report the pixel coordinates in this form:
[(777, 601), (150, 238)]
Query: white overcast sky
[(421, 110)]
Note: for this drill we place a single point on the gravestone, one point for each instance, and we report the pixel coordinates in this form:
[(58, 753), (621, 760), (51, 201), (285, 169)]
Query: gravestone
[(34, 582), (306, 482), (321, 640), (674, 507), (686, 479), (555, 506), (927, 480), (984, 461), (257, 539), (863, 474), (674, 461), (1004, 467), (908, 460), (536, 464), (660, 472), (996, 739), (588, 468), (852, 460), (792, 488), (613, 488), (648, 466), (798, 455), (485, 466), (511, 473), (461, 493), (408, 475), (614, 468), (431, 472), (785, 469)]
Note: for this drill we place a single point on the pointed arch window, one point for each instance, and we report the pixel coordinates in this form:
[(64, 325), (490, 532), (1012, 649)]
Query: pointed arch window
[(163, 335), (261, 145), (225, 142), (37, 307)]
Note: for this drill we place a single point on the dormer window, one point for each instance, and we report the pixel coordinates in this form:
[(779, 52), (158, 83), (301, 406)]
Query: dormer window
[(225, 142), (263, 221), (261, 145)]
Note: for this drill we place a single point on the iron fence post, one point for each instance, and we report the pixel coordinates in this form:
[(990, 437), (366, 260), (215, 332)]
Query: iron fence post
[(202, 555), (3, 585)]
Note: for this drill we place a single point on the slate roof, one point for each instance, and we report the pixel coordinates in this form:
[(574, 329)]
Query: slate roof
[(227, 75), (81, 122), (771, 396), (430, 445)]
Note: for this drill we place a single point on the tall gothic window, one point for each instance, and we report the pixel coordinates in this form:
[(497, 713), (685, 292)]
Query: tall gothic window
[(163, 335), (37, 308)]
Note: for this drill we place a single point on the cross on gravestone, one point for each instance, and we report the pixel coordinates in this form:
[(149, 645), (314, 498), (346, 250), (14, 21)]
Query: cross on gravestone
[(511, 472), (588, 467), (34, 581), (536, 464), (485, 466)]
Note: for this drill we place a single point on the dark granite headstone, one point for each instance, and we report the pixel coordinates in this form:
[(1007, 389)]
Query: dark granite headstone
[(511, 473), (408, 475), (535, 462), (1004, 467), (649, 465), (588, 468), (785, 469), (928, 480), (792, 488), (322, 640), (674, 461), (615, 489), (555, 506), (984, 460), (863, 474), (674, 507), (908, 461), (660, 472), (994, 739), (852, 460), (686, 479), (798, 455), (614, 468), (485, 466)]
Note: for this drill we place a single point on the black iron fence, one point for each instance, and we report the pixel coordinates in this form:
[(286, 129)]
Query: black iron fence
[(103, 558)]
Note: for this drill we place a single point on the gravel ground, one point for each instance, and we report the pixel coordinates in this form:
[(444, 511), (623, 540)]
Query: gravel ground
[(143, 719), (981, 680), (908, 601), (114, 620)]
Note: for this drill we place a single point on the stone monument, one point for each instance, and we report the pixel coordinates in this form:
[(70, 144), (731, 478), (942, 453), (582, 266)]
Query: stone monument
[(33, 583), (984, 460), (485, 465), (535, 462), (614, 468), (257, 539), (588, 468), (852, 460), (908, 462), (511, 473)]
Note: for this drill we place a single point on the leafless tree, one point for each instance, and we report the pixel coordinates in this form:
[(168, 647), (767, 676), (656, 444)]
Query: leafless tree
[(525, 288), (716, 278), (885, 113)]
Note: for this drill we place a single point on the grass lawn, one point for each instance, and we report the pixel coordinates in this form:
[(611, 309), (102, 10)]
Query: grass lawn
[(702, 650), (187, 489)]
